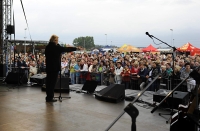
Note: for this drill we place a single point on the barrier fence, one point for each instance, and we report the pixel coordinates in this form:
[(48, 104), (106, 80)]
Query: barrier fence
[(169, 84), (134, 83)]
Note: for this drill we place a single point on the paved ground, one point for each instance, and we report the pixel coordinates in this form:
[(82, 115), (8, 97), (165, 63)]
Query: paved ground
[(25, 109)]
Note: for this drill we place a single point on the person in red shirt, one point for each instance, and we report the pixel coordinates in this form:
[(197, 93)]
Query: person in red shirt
[(134, 68), (134, 73), (126, 76)]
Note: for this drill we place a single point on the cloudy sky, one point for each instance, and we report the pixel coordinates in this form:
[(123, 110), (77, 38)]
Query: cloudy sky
[(124, 21)]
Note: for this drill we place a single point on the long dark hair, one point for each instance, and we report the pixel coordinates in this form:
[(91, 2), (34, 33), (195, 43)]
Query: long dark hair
[(81, 66), (102, 62)]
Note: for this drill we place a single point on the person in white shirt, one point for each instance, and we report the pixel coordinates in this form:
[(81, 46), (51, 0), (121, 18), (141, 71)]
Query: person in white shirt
[(83, 71), (64, 66), (32, 71), (84, 65), (118, 71)]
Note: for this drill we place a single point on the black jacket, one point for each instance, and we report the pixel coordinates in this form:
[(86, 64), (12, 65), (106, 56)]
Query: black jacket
[(143, 73), (155, 72), (164, 74), (53, 56), (21, 63)]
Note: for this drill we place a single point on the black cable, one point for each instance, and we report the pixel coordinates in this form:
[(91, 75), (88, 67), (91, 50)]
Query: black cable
[(155, 42), (26, 19)]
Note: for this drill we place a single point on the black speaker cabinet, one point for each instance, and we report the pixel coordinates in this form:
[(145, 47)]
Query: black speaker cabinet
[(64, 87), (113, 93), (16, 78), (178, 98), (2, 70), (90, 86), (10, 29)]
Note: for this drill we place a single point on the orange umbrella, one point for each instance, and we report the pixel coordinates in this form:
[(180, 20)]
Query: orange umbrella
[(128, 48)]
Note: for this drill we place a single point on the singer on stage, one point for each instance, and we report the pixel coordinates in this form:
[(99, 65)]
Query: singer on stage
[(53, 65)]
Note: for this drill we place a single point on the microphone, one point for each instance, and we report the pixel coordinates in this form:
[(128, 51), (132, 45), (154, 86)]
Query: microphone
[(147, 33)]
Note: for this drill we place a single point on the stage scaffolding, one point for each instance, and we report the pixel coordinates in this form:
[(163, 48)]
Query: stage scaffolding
[(5, 20)]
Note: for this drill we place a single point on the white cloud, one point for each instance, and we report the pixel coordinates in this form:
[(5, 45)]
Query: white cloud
[(125, 21)]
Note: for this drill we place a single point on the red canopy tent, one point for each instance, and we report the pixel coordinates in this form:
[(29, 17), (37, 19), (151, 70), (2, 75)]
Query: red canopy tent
[(186, 48), (149, 48), (196, 51), (189, 48)]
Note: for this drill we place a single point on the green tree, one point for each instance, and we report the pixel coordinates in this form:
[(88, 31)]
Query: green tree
[(85, 42)]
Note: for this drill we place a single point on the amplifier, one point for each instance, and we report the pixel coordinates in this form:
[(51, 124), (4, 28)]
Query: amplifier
[(178, 98)]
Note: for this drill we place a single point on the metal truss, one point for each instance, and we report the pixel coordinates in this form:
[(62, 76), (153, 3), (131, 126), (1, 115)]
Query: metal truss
[(7, 20)]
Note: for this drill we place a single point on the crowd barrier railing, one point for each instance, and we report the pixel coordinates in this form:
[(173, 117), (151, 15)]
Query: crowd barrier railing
[(134, 82), (102, 79), (85, 75), (169, 84)]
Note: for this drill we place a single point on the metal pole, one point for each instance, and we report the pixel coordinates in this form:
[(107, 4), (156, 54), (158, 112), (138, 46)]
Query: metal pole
[(171, 36), (34, 48), (106, 39), (84, 44)]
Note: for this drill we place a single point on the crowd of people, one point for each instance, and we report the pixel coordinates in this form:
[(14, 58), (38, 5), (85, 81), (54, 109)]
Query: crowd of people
[(134, 70)]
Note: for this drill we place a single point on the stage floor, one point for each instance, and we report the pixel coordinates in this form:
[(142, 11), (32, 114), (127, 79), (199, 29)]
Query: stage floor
[(24, 109)]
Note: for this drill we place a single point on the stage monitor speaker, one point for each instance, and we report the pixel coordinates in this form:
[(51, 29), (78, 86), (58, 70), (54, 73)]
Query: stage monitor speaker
[(10, 29), (2, 70), (90, 86), (16, 78), (178, 98), (113, 93), (64, 85), (40, 79)]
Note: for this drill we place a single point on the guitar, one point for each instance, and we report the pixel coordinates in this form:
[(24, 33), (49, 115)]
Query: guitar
[(180, 120)]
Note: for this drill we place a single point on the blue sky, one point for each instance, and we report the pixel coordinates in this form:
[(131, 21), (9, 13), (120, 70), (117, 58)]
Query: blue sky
[(124, 21)]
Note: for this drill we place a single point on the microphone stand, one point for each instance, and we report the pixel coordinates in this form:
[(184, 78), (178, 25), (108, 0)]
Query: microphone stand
[(60, 97), (130, 108), (172, 82)]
